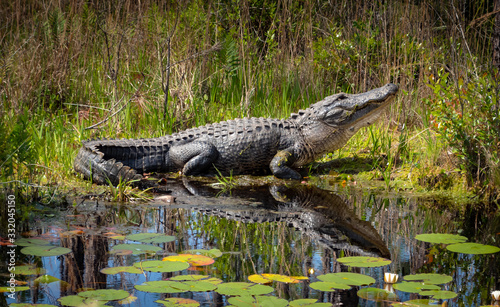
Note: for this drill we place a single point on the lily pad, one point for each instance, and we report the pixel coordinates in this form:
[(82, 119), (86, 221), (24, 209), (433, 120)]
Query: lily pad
[(161, 266), (243, 288), (414, 287), (440, 238), (31, 241), (136, 249), (46, 279), (255, 301), (206, 278), (105, 294), (213, 253), (45, 250), (129, 300), (150, 238), (168, 286), (439, 294), (30, 305), (429, 279), (329, 286), (267, 278), (364, 262), (121, 269), (352, 279), (418, 303), (194, 260), (178, 301), (472, 248), (78, 301), (378, 295), (308, 302), (16, 289), (29, 270)]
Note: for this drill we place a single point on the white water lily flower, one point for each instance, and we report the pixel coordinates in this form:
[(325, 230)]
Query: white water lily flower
[(495, 295), (391, 278)]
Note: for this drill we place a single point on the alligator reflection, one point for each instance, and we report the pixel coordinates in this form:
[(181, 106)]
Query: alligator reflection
[(323, 216)]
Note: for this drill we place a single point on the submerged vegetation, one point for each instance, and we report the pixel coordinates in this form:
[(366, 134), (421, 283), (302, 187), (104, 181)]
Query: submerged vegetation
[(71, 71)]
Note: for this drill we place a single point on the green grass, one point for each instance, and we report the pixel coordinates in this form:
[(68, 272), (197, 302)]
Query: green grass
[(65, 68)]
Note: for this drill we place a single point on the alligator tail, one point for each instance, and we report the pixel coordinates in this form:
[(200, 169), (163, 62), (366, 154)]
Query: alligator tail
[(115, 161)]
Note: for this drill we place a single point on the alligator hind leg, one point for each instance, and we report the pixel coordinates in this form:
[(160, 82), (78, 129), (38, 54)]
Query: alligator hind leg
[(193, 157)]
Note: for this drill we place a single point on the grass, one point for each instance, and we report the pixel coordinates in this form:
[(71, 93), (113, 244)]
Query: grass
[(66, 67)]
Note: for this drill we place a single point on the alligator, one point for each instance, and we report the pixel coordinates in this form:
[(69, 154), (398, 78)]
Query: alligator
[(239, 146)]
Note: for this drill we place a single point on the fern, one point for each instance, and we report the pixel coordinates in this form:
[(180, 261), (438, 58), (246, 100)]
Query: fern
[(229, 57), (54, 27)]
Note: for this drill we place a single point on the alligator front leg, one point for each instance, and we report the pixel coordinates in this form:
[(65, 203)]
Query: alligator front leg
[(194, 157), (280, 165)]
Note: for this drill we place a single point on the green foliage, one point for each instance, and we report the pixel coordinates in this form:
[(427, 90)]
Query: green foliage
[(467, 116), (16, 150)]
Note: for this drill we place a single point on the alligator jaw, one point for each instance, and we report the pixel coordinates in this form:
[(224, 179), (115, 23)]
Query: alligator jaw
[(353, 111)]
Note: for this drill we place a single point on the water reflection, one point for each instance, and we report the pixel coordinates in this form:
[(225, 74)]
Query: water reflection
[(291, 230), (321, 215)]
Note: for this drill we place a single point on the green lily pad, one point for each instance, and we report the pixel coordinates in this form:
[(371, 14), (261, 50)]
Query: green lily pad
[(308, 302), (429, 279), (213, 253), (121, 269), (46, 279), (352, 279), (418, 303), (16, 289), (136, 249), (206, 278), (441, 238), (31, 241), (378, 295), (30, 305), (267, 278), (29, 270), (243, 289), (168, 286), (329, 286), (364, 262), (150, 238), (256, 301), (178, 301), (472, 248), (439, 294), (105, 294), (45, 250), (78, 301), (194, 260), (414, 287), (161, 266)]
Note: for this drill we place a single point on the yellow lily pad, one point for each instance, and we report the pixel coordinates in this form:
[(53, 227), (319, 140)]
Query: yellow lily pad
[(194, 260)]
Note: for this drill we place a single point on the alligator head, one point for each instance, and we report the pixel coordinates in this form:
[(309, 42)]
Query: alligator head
[(328, 124)]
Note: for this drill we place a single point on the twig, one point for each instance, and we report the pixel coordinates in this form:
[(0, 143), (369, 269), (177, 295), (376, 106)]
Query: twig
[(108, 117), (166, 89), (86, 106)]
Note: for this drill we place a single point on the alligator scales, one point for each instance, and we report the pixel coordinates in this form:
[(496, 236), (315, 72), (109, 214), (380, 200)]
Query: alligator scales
[(240, 146)]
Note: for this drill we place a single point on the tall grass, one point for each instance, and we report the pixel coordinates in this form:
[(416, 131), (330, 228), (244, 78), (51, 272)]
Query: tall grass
[(66, 66)]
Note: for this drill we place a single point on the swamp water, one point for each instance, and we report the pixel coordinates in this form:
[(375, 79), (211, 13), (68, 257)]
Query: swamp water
[(296, 230)]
